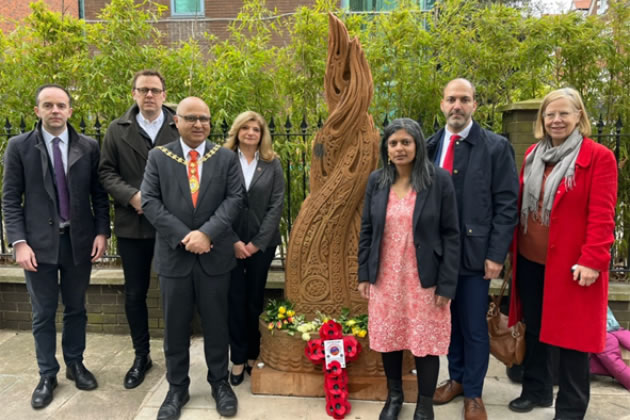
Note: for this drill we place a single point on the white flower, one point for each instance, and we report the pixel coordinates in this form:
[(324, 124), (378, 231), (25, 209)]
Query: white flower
[(306, 336)]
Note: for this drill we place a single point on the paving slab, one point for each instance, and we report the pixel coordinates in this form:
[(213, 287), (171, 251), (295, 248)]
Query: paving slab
[(109, 357)]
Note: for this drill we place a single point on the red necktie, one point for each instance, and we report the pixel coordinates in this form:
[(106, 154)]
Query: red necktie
[(450, 154), (193, 176)]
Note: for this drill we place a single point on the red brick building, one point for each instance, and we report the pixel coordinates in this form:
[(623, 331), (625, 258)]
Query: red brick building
[(13, 11), (192, 18)]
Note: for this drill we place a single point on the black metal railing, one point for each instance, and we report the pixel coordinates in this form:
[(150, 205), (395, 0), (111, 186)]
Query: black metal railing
[(296, 165)]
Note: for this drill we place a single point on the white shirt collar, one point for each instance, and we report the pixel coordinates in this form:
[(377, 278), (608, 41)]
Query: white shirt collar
[(48, 138), (201, 149), (242, 156), (463, 134), (152, 128)]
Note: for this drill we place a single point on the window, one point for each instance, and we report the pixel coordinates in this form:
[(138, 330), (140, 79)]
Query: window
[(183, 8), (380, 5)]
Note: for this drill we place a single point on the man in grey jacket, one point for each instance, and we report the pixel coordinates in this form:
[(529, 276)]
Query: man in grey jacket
[(148, 123)]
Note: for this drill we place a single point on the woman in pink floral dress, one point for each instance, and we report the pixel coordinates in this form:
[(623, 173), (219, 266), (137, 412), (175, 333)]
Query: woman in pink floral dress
[(408, 259)]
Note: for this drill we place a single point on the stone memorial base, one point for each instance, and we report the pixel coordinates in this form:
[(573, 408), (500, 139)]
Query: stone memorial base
[(287, 371), (269, 381)]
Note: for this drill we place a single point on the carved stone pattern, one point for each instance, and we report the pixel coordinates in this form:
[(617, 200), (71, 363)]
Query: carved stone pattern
[(321, 269), (285, 353)]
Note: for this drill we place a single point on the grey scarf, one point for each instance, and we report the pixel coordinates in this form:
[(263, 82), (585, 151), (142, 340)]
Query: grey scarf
[(544, 153)]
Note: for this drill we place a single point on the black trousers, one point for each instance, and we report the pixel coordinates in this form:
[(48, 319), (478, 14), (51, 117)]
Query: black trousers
[(247, 288), (427, 369), (573, 372), (179, 296), (44, 286), (136, 256)]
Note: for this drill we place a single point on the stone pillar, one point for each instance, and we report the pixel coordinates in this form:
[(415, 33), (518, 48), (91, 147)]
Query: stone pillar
[(518, 124)]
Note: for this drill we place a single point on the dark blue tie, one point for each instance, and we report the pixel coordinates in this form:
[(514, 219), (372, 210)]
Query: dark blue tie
[(62, 186)]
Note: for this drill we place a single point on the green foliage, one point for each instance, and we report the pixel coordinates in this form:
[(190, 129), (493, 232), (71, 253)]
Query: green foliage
[(508, 54)]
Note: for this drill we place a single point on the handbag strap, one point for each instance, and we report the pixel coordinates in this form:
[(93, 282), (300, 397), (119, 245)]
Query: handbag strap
[(507, 271)]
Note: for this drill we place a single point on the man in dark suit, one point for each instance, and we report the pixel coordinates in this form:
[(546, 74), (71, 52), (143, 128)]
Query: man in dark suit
[(486, 185), (148, 123), (56, 217), (191, 194)]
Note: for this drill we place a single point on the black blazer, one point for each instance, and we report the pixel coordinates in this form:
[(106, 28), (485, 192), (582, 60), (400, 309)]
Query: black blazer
[(435, 232), (167, 204), (260, 216), (29, 198)]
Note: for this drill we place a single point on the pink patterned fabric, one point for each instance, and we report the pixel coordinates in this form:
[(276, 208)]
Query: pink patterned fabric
[(403, 315)]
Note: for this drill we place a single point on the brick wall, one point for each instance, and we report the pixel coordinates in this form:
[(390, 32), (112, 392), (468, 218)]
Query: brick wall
[(105, 306), (16, 10), (105, 303), (175, 29)]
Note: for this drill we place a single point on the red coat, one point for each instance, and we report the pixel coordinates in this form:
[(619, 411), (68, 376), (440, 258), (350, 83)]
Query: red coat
[(581, 231)]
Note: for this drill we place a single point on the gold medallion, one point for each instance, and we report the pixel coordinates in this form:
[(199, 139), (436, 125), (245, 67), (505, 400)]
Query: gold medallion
[(194, 184)]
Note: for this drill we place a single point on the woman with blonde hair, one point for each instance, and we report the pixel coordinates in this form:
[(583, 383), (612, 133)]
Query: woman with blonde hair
[(255, 236), (561, 253)]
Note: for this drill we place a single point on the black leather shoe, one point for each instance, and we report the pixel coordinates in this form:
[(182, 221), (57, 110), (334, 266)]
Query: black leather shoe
[(236, 380), (43, 393), (82, 377), (171, 408), (135, 375), (248, 369), (227, 404), (525, 405)]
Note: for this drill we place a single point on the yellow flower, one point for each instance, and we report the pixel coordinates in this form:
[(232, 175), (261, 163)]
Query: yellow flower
[(282, 310), (355, 330), (270, 326), (362, 333), (350, 322), (290, 312), (281, 316)]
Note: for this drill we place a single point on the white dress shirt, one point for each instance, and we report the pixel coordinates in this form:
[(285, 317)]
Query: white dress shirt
[(152, 128), (447, 139), (201, 149), (249, 168), (63, 146)]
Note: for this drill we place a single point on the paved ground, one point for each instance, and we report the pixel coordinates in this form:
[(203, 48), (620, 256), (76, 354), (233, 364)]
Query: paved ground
[(109, 357)]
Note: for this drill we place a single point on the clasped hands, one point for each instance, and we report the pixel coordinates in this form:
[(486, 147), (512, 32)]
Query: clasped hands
[(242, 250), (197, 242)]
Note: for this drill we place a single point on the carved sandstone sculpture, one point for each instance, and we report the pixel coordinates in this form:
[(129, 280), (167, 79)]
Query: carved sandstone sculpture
[(321, 268)]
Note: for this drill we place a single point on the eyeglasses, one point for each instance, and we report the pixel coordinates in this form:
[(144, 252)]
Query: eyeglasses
[(563, 115), (145, 91), (191, 119)]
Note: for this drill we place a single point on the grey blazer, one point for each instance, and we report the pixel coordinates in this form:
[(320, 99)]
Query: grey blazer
[(260, 216), (167, 204), (435, 232), (29, 197)]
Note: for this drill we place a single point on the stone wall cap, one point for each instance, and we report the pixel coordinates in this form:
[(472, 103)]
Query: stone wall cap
[(527, 105)]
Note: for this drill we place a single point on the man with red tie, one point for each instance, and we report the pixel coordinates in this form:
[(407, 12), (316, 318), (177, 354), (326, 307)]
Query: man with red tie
[(486, 185), (56, 216), (191, 193)]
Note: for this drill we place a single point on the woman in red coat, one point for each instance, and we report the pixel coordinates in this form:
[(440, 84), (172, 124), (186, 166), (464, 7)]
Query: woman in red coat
[(562, 252)]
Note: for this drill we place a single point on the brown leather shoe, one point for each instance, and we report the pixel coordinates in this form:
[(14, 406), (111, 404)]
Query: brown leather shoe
[(448, 390), (474, 409)]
